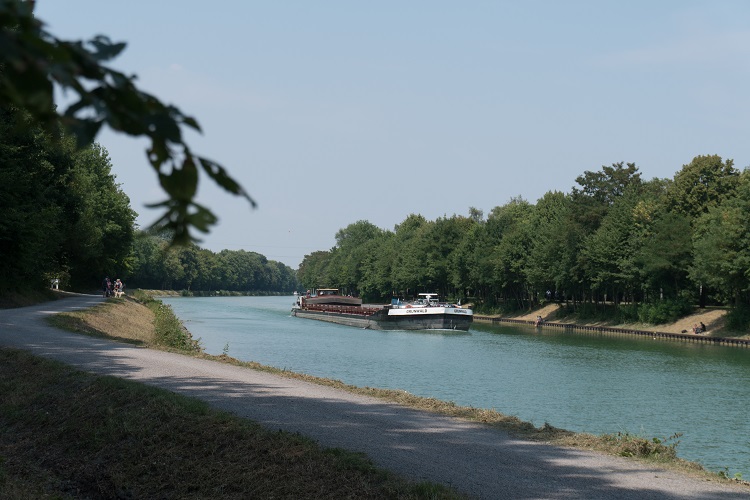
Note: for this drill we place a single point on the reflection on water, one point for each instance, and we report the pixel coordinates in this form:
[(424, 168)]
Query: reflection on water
[(578, 381)]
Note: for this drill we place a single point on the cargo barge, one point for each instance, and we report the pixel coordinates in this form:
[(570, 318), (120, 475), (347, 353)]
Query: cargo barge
[(425, 313)]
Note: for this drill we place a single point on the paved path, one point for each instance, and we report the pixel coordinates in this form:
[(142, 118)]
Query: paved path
[(477, 460)]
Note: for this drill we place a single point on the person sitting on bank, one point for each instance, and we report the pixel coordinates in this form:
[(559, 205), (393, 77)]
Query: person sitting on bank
[(539, 320)]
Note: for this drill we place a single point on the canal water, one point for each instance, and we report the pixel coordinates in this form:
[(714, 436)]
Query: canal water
[(577, 381)]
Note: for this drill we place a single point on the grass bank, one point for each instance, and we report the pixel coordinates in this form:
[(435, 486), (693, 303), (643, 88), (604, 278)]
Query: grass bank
[(197, 440), (68, 434), (21, 298)]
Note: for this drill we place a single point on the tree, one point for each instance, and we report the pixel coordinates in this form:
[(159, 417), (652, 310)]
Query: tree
[(156, 264), (443, 239), (599, 190), (665, 251), (703, 183), (64, 216), (191, 262), (354, 244), (30, 225), (609, 252), (609, 183), (509, 225), (377, 269), (33, 62), (722, 245), (313, 270), (146, 261), (408, 274), (550, 259), (99, 221)]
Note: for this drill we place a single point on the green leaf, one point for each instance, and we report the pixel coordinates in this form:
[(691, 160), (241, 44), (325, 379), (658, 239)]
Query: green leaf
[(220, 176), (182, 183), (104, 49), (84, 130), (202, 219)]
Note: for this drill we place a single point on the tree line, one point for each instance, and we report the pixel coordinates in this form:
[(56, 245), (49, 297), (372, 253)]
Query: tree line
[(62, 215), (157, 265), (649, 250), (65, 217)]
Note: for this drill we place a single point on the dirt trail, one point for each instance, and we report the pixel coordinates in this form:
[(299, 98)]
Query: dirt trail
[(714, 319)]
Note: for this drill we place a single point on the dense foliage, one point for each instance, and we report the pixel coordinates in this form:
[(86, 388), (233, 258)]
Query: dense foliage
[(33, 63), (63, 215), (157, 265), (658, 246)]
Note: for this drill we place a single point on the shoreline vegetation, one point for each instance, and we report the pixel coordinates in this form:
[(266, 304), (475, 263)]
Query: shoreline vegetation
[(182, 426), (713, 318)]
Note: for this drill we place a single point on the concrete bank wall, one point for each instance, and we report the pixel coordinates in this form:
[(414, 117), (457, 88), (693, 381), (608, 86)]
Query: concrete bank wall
[(620, 331)]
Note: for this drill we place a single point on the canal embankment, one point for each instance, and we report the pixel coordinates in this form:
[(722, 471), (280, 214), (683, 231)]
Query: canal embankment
[(680, 331)]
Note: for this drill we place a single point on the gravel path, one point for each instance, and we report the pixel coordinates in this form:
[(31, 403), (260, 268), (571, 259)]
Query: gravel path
[(477, 460)]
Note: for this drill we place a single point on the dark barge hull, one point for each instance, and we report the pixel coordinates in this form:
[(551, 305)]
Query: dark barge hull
[(381, 321)]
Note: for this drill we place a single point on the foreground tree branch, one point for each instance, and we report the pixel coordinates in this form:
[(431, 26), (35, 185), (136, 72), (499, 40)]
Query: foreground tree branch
[(33, 61)]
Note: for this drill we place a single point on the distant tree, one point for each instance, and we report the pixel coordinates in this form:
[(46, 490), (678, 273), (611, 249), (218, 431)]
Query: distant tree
[(190, 260), (462, 259), (158, 265), (146, 269), (172, 272), (703, 183), (599, 190), (662, 242), (475, 214), (511, 231), (440, 240), (722, 245), (550, 257), (206, 273), (608, 184), (377, 269), (408, 274), (666, 256), (313, 270), (33, 62), (285, 276), (609, 252), (354, 244)]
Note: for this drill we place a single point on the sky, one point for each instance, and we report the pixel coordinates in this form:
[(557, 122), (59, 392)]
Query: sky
[(332, 112)]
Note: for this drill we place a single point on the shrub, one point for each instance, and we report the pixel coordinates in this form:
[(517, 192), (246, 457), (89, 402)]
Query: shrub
[(628, 313), (169, 329), (664, 311), (738, 318), (628, 445)]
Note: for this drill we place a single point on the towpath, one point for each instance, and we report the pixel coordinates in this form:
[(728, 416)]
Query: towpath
[(479, 461)]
